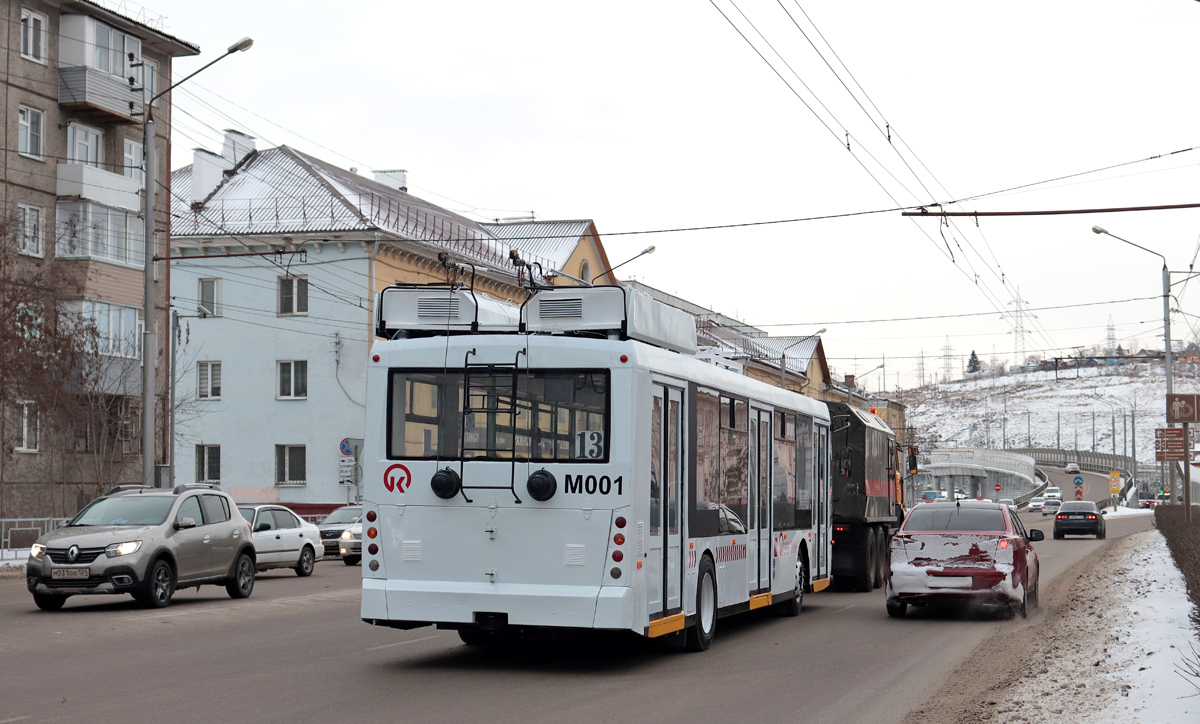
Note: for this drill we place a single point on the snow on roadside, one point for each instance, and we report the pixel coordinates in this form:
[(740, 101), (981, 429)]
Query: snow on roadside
[(1122, 512), (1115, 655)]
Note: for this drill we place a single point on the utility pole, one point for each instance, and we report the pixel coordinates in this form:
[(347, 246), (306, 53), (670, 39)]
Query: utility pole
[(1058, 432), (1093, 429), (1028, 431), (1004, 425)]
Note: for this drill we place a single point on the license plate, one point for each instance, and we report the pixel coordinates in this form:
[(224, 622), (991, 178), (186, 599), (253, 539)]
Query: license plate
[(1074, 517), (950, 581), (70, 573)]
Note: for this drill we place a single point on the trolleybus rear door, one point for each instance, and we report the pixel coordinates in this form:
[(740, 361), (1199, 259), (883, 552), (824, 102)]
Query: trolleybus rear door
[(654, 538), (821, 490), (664, 569), (675, 444), (758, 551)]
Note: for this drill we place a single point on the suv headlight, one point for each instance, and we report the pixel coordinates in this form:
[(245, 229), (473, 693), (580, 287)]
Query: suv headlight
[(36, 550), (122, 549), (346, 534)]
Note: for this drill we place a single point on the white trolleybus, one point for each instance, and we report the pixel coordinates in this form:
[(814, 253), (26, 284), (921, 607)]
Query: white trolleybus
[(571, 463)]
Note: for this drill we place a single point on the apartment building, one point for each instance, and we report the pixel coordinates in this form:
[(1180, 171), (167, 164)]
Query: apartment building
[(77, 78), (277, 257)]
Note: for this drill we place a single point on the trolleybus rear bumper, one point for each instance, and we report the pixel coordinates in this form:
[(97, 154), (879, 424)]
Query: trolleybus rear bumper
[(414, 603)]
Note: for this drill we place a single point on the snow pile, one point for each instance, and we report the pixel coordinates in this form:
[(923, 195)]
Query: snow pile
[(1034, 410), (1115, 656)]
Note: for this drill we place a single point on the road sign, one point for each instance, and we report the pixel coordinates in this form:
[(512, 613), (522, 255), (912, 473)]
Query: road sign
[(1171, 444), (1114, 482), (345, 447), (1079, 493), (1079, 480), (997, 488), (1183, 408), (346, 471)]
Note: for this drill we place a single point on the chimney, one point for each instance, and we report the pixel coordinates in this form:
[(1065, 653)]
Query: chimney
[(208, 169), (396, 178), (237, 145), (850, 381)]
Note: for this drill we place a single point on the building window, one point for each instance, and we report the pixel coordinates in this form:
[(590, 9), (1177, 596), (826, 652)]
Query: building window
[(33, 35), (290, 465), (117, 328), (29, 229), (88, 230), (29, 135), (111, 52), (208, 297), (208, 463), (293, 295), (293, 380), (83, 145), (133, 162), (208, 380), (27, 423), (585, 271), (149, 81)]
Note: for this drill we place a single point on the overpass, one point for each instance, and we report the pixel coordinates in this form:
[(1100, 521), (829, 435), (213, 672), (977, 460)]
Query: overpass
[(976, 472)]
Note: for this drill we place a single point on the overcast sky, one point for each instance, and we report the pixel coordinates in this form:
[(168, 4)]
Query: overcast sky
[(658, 115)]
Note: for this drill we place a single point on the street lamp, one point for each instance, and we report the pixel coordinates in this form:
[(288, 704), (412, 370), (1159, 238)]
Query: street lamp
[(1166, 295), (149, 338), (783, 355), (611, 269)]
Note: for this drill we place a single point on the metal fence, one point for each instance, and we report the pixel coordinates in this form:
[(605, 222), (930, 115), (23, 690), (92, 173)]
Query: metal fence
[(22, 532)]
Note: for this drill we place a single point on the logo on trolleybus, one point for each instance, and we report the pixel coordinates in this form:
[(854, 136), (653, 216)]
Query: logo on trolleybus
[(397, 477)]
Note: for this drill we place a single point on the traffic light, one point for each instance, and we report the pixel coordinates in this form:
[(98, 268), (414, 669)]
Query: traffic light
[(912, 459)]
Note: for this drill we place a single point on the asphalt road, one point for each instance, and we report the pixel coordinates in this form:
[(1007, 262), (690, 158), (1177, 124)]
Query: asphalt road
[(296, 651)]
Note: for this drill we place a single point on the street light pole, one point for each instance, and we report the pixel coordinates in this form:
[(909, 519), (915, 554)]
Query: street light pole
[(149, 337), (1166, 295)]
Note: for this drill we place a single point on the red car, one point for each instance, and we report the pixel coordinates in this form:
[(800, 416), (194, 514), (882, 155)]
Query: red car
[(972, 552)]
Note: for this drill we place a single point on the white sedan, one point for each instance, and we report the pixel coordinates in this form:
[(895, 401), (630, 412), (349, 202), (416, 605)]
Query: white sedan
[(282, 539)]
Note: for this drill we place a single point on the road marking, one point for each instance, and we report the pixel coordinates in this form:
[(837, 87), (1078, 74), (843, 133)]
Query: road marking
[(385, 646), (843, 608), (15, 718)]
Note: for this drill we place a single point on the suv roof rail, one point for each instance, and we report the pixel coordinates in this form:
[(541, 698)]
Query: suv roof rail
[(196, 486), (126, 487)]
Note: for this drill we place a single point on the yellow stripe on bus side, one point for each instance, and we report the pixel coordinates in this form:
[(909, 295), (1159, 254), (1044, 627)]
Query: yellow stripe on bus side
[(820, 584), (762, 599), (663, 626)]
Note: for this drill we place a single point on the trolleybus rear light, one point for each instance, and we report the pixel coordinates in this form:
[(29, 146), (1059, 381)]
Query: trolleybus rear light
[(374, 565), (371, 516), (372, 549), (624, 358), (372, 533), (639, 565), (620, 521), (619, 539), (615, 572), (375, 358), (618, 556)]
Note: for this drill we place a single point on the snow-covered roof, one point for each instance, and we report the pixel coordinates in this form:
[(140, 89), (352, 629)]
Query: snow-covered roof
[(284, 191), (552, 240)]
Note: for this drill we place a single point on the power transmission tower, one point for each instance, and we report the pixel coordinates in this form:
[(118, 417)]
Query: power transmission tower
[(1020, 307), (947, 361), (1110, 342), (921, 367)]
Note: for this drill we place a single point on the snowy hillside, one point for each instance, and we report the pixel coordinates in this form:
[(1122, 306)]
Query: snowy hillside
[(1042, 412)]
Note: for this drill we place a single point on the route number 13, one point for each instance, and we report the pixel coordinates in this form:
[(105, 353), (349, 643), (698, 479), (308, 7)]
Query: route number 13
[(589, 445)]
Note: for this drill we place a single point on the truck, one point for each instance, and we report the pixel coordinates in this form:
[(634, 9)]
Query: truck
[(867, 496)]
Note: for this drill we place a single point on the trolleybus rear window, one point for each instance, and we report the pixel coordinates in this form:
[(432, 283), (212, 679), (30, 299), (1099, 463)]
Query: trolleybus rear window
[(540, 415)]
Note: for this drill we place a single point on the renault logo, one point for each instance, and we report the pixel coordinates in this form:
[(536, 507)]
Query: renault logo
[(72, 554)]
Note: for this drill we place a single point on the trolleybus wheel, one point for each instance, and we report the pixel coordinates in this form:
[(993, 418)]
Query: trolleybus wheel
[(700, 635), (792, 607)]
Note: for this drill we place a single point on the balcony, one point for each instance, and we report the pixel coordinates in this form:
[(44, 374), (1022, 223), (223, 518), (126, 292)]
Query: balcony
[(78, 180), (105, 97)]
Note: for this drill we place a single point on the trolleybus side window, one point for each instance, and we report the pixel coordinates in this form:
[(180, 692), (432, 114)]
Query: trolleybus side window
[(704, 518), (550, 415), (784, 479), (656, 476), (735, 459), (674, 468), (805, 472)]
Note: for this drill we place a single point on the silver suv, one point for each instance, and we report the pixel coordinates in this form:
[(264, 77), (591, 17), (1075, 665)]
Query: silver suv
[(146, 542)]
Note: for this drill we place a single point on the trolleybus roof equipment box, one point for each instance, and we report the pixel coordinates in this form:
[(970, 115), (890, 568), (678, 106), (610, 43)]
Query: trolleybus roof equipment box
[(426, 310)]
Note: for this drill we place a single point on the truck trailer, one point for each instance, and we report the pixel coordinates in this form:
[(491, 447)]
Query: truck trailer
[(867, 496)]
